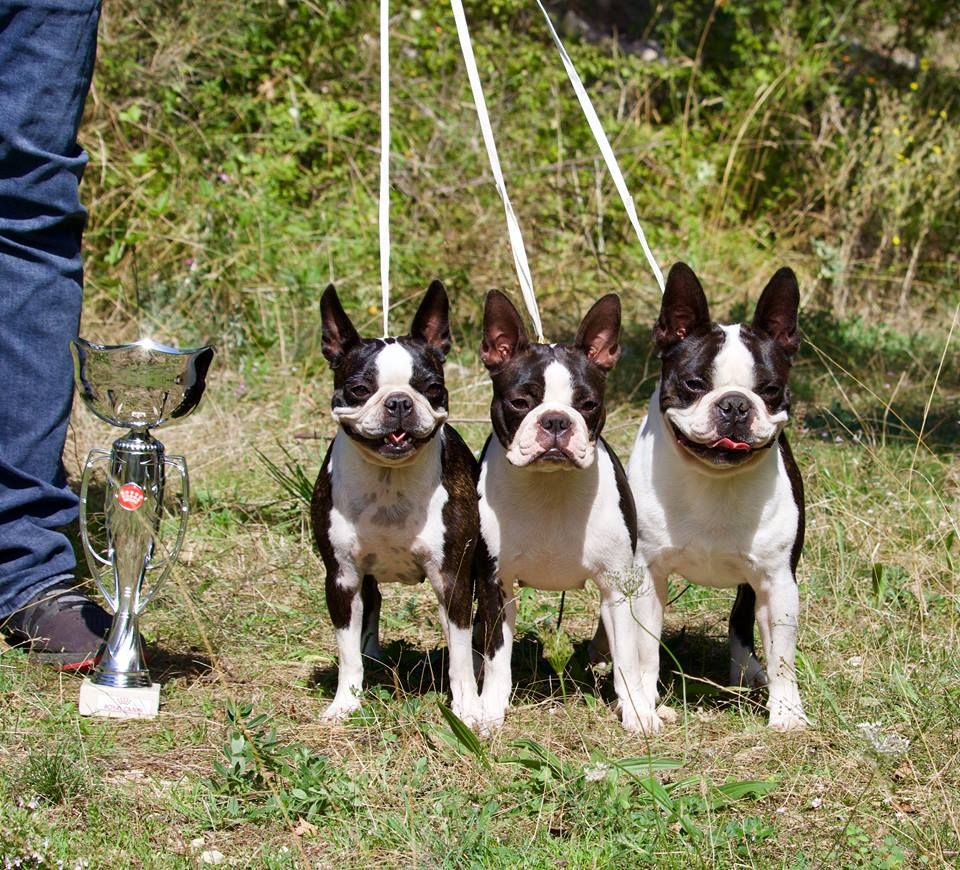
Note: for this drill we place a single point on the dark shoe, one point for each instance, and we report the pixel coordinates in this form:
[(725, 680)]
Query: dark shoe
[(60, 627)]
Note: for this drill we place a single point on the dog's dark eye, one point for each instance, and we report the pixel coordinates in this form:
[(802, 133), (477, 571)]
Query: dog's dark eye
[(435, 392), (520, 403), (589, 406), (770, 392), (359, 392), (695, 385)]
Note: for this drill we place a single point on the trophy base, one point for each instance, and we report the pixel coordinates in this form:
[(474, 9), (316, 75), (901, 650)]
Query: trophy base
[(116, 703)]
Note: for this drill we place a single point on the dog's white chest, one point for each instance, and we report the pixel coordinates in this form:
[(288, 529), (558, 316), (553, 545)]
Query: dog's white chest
[(713, 532), (552, 530), (387, 521)]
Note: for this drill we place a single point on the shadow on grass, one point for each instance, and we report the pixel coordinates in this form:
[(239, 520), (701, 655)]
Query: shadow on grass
[(704, 662), (166, 664), (405, 669)]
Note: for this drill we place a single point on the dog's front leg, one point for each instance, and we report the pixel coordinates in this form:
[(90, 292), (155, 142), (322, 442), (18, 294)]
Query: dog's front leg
[(778, 609), (346, 611), (636, 712), (456, 605)]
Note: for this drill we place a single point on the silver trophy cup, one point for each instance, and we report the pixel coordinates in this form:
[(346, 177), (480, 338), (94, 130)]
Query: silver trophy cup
[(139, 387)]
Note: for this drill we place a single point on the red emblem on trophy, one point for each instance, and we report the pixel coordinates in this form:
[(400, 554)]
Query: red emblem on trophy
[(130, 496)]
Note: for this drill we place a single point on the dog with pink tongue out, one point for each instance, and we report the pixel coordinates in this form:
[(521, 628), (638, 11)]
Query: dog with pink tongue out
[(719, 496)]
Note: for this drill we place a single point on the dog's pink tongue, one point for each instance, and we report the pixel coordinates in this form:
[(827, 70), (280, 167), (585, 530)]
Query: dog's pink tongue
[(397, 437), (727, 444)]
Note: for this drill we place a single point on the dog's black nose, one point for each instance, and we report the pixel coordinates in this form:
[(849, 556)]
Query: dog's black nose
[(398, 404), (555, 423), (733, 406)]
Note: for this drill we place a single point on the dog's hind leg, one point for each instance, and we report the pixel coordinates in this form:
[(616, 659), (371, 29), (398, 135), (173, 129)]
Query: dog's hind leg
[(598, 650), (745, 669), (497, 615)]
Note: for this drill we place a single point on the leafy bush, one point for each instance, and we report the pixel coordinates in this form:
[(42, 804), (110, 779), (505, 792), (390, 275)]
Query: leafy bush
[(235, 150)]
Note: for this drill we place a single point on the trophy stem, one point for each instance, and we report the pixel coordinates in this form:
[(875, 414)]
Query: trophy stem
[(134, 500)]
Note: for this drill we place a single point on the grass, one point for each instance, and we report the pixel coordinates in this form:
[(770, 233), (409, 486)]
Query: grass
[(217, 213), (239, 763)]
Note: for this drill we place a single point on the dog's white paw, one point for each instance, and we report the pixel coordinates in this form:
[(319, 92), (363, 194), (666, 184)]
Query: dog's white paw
[(667, 715), (644, 721), (492, 714), (470, 713), (788, 722), (787, 715), (340, 708)]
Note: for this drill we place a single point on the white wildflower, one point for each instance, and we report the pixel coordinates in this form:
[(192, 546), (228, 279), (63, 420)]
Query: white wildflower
[(596, 772), (885, 744)]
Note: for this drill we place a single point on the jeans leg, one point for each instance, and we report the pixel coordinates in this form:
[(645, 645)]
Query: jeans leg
[(47, 50)]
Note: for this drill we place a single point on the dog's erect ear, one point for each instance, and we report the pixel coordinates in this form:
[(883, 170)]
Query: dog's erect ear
[(431, 323), (338, 335), (503, 332), (776, 313), (599, 333), (684, 308)]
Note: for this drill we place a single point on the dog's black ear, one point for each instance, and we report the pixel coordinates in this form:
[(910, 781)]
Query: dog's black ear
[(599, 333), (431, 323), (503, 332), (684, 308), (338, 334), (776, 313)]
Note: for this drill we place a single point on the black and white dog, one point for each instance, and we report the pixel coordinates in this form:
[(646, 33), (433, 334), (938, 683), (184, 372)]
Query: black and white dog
[(555, 506), (719, 497), (396, 497)]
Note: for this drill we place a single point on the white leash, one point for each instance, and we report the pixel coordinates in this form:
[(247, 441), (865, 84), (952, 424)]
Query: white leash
[(513, 227), (385, 162), (605, 149)]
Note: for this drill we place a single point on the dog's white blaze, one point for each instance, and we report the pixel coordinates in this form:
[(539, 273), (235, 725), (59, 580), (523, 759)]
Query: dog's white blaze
[(557, 398), (557, 387), (734, 365), (394, 366)]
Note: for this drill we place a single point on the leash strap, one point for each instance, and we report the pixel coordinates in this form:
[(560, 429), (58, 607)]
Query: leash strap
[(385, 163), (513, 227), (598, 133)]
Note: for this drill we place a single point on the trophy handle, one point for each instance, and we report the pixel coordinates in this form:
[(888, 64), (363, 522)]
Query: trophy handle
[(94, 559), (180, 464)]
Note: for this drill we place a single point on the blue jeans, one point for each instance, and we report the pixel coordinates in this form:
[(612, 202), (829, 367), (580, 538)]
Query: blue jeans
[(47, 50)]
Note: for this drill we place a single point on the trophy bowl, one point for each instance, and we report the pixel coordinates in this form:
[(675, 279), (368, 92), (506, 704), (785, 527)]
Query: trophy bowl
[(141, 385)]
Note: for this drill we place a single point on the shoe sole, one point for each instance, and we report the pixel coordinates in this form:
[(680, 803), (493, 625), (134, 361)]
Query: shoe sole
[(64, 661)]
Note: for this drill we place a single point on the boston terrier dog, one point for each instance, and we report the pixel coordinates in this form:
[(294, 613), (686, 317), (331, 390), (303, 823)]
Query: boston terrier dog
[(396, 498), (555, 506), (719, 497)]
